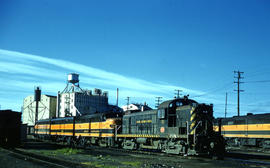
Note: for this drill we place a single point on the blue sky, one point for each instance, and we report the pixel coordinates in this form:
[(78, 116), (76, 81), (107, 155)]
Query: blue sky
[(145, 48)]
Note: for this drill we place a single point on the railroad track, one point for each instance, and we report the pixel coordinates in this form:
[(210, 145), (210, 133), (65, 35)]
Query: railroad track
[(251, 162), (96, 147), (249, 155), (42, 160), (249, 158), (245, 158), (115, 149)]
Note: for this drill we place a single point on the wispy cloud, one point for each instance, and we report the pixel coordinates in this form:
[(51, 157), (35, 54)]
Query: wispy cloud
[(20, 72)]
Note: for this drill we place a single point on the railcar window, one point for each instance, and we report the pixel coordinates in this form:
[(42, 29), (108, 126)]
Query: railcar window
[(239, 122), (161, 113), (230, 123)]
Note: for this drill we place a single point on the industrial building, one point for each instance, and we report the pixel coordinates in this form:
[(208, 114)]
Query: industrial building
[(46, 108), (134, 107), (74, 101)]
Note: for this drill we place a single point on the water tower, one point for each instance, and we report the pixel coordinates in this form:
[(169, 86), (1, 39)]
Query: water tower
[(73, 78), (72, 84)]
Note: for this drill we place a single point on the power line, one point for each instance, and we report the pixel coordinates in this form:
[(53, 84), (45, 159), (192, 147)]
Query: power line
[(238, 89), (213, 90), (258, 72), (257, 93), (261, 81), (246, 105)]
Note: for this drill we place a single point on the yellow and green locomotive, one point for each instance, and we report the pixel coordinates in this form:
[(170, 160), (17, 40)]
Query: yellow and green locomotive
[(248, 130), (178, 126), (81, 130)]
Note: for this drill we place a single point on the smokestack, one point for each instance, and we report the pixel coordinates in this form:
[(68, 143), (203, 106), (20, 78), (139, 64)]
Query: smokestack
[(37, 99)]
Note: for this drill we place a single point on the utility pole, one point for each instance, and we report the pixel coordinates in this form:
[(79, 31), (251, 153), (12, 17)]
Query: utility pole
[(238, 73), (127, 99), (226, 105), (117, 92), (178, 93), (158, 100)]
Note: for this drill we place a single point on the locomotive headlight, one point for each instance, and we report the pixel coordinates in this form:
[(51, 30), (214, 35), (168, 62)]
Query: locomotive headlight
[(212, 145)]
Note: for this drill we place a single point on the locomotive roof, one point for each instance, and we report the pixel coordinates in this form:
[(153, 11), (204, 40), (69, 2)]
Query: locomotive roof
[(43, 120), (62, 118), (97, 115), (141, 113), (185, 101)]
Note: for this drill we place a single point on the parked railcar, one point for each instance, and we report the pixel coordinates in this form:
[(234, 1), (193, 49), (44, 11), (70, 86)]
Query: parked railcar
[(248, 130), (10, 128)]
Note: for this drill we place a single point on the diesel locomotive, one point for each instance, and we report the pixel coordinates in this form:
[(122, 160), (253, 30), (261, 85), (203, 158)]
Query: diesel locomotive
[(178, 126), (249, 130)]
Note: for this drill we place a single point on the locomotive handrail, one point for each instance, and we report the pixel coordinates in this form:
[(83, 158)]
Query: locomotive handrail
[(116, 128), (194, 136), (187, 132)]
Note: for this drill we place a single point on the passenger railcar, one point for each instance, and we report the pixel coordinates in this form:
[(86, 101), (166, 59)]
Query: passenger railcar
[(248, 130)]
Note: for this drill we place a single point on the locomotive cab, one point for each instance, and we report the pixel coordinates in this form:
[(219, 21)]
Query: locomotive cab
[(173, 116)]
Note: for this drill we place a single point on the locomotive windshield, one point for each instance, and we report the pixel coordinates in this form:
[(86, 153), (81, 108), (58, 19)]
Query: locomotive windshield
[(178, 103)]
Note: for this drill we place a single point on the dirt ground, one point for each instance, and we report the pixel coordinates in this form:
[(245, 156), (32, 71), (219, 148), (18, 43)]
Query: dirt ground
[(8, 160), (109, 158)]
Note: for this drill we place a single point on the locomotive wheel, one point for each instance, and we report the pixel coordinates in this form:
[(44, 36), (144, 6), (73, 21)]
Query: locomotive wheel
[(216, 149), (129, 144)]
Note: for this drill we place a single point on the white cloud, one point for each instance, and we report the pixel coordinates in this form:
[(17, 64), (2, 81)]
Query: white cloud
[(52, 79)]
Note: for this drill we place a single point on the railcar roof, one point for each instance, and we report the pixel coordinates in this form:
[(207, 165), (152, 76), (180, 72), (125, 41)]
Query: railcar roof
[(265, 115), (62, 118), (9, 112), (91, 115), (43, 120)]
